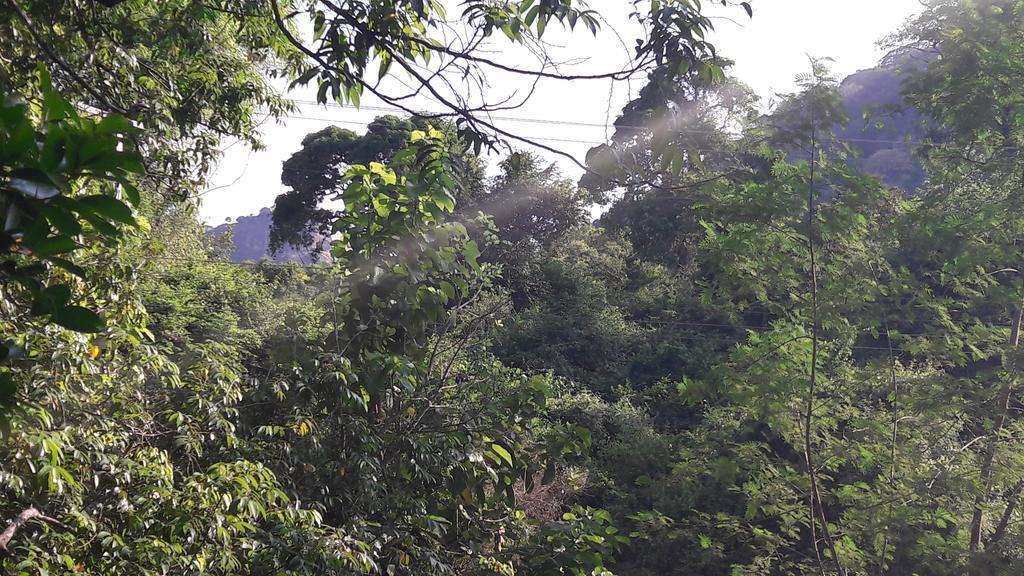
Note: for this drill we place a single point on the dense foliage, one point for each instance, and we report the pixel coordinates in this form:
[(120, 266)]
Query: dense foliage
[(165, 412), (835, 385), (761, 359)]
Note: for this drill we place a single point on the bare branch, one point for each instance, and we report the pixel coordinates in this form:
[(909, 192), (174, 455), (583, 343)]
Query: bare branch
[(25, 516)]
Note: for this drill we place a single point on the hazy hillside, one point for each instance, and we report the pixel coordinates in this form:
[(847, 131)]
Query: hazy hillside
[(880, 126), (251, 238)]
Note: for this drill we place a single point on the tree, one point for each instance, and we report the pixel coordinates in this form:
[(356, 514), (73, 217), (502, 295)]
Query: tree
[(669, 141), (186, 74), (425, 445), (975, 164), (860, 418), (314, 174), (530, 207), (269, 419), (187, 434)]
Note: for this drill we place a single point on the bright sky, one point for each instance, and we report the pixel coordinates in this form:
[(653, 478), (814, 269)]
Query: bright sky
[(769, 50)]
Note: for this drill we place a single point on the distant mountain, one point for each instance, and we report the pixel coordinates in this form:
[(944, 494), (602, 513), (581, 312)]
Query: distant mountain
[(881, 126), (250, 236)]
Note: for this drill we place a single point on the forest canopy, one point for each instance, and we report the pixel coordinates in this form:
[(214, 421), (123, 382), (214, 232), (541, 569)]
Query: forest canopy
[(788, 345)]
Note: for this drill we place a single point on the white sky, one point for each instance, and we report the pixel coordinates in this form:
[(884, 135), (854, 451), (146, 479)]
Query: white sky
[(769, 50)]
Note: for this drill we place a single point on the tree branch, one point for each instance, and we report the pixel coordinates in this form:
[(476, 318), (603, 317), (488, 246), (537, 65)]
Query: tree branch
[(1004, 520), (26, 515)]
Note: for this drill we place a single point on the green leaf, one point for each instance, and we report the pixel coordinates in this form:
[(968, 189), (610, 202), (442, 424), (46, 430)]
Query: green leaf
[(100, 225), (502, 452), (584, 435), (67, 265), (20, 134), (51, 300), (54, 105), (131, 193), (109, 207), (447, 289), (8, 389), (114, 124), (471, 253), (53, 245), (445, 202), (63, 220), (34, 188), (79, 319)]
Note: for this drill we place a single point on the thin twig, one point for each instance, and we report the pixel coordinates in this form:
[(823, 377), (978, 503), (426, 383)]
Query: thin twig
[(812, 380)]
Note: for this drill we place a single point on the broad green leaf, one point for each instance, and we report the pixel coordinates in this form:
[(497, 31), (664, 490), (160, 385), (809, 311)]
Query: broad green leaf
[(471, 253), (109, 207), (51, 300), (34, 188), (78, 319), (53, 245), (502, 452), (8, 389)]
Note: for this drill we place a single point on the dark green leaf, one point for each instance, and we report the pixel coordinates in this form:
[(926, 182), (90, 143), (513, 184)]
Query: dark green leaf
[(79, 319), (114, 124), (8, 389), (100, 225), (63, 220), (67, 265), (109, 207), (53, 245), (51, 300), (132, 194)]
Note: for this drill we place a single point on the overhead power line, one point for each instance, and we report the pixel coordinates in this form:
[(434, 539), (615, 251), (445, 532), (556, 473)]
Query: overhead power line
[(551, 121), (333, 121), (428, 112), (358, 123), (599, 142)]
